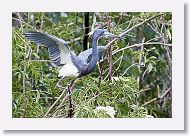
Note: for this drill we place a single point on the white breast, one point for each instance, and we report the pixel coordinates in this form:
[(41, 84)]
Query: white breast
[(69, 71)]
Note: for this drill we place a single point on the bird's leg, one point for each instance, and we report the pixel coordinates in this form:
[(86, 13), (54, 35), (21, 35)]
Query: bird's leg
[(64, 99), (59, 83), (71, 104)]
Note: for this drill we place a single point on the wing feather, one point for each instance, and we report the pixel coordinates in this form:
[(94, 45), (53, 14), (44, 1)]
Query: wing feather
[(59, 50)]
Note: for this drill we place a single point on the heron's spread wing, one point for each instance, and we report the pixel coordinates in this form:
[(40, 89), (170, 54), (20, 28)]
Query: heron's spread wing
[(87, 54), (58, 49)]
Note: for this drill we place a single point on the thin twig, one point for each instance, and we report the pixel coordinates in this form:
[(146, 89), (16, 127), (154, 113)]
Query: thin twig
[(108, 68), (138, 45), (41, 27), (119, 20), (42, 21), (129, 24), (129, 68), (144, 90), (154, 29), (161, 37), (120, 61), (94, 22), (94, 97), (40, 61), (141, 61), (53, 105), (74, 40), (134, 27), (64, 99), (24, 86), (20, 18), (141, 54), (157, 98), (100, 69)]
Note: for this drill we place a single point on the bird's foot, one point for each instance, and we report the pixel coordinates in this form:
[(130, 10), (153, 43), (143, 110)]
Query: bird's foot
[(73, 105)]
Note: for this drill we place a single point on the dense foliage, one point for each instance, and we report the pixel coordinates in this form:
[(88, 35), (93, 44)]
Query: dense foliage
[(141, 78)]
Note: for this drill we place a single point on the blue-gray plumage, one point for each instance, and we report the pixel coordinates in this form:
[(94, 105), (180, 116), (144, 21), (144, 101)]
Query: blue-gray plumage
[(60, 53)]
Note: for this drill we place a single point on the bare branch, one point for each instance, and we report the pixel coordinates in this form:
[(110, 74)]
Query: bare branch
[(140, 44), (157, 98), (53, 105), (134, 27), (129, 68)]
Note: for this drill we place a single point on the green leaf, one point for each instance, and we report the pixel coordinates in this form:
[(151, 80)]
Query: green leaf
[(153, 58), (36, 55), (150, 67), (169, 34)]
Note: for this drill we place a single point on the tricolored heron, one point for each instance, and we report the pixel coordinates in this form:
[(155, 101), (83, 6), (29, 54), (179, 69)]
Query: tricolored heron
[(60, 53)]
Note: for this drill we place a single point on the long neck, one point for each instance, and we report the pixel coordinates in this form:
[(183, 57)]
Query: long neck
[(94, 59)]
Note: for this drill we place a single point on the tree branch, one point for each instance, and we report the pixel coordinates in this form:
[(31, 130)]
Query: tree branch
[(134, 27), (157, 98), (138, 45), (53, 105)]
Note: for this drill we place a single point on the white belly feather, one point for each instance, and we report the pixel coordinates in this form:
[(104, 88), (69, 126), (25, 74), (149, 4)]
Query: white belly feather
[(69, 71)]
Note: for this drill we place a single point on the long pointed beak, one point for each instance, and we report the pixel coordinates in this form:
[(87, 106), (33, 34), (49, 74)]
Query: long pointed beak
[(108, 34)]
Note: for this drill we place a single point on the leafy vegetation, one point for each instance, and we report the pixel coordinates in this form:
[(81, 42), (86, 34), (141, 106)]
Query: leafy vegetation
[(141, 79)]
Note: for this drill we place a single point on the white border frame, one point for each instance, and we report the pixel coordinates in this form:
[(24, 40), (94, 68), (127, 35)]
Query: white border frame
[(174, 123)]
